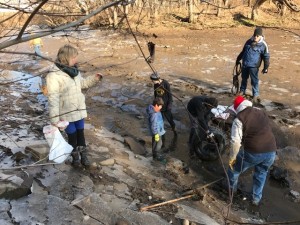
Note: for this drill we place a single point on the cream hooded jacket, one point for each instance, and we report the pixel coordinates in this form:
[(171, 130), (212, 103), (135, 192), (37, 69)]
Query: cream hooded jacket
[(65, 99)]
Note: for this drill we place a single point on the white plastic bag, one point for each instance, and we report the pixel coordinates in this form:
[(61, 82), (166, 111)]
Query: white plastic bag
[(59, 148)]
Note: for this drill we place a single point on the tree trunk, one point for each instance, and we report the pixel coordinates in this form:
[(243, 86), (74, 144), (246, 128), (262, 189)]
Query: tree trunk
[(191, 11), (219, 10), (115, 16)]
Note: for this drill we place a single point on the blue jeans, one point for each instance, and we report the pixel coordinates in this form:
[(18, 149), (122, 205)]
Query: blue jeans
[(261, 163), (253, 73)]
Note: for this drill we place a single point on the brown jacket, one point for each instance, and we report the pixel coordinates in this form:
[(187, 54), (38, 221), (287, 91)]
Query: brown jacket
[(257, 132)]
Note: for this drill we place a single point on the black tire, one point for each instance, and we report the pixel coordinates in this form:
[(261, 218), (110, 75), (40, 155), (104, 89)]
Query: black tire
[(208, 150)]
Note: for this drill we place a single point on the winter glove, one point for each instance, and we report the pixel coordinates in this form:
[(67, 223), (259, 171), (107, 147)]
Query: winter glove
[(264, 71), (156, 137), (231, 163)]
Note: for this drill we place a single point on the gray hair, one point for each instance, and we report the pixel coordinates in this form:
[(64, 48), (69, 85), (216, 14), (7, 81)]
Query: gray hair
[(65, 53)]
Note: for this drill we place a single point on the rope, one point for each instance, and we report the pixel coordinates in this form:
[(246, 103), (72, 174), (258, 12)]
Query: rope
[(237, 70)]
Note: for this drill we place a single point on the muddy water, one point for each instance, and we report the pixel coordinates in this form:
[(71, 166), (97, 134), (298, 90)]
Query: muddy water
[(194, 63)]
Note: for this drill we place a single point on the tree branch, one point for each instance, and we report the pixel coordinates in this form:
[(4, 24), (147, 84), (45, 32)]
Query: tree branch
[(6, 44)]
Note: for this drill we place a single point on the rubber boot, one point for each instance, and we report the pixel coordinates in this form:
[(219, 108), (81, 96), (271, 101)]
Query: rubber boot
[(83, 153), (76, 157), (72, 140)]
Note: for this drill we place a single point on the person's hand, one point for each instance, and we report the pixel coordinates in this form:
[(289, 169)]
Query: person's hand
[(231, 163), (264, 71), (156, 137), (237, 62), (61, 125), (99, 76), (210, 135)]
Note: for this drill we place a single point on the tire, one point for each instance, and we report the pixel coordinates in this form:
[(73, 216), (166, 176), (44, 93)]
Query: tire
[(208, 150)]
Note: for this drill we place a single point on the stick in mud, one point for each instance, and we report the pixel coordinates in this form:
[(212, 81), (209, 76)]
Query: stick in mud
[(177, 199)]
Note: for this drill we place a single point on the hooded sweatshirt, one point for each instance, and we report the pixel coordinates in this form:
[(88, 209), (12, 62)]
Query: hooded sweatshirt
[(251, 127), (155, 121)]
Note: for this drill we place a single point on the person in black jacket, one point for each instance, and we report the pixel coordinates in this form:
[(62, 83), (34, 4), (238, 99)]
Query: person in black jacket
[(254, 52), (199, 108), (162, 89)]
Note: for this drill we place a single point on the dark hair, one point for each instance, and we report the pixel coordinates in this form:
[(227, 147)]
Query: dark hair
[(211, 102), (158, 101)]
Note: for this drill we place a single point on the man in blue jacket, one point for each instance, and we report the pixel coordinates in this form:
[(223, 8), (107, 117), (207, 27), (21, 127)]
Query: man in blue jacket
[(254, 52)]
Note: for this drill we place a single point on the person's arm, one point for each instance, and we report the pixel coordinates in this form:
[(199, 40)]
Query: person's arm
[(266, 58), (153, 122), (53, 98), (236, 140), (90, 81)]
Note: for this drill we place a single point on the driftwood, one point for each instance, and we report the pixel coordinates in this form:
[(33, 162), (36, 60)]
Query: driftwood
[(177, 199)]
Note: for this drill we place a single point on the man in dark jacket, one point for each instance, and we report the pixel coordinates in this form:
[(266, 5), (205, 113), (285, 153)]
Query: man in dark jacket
[(162, 89), (251, 128), (254, 52), (199, 108)]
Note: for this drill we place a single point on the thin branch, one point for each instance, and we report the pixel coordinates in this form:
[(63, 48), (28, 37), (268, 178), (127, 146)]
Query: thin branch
[(30, 18), (6, 44)]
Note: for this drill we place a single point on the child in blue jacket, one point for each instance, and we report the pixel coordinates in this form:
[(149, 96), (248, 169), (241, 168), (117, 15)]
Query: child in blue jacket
[(156, 125)]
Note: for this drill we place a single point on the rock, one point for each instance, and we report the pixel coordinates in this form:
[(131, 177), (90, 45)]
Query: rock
[(38, 152), (185, 222), (296, 195), (122, 222), (108, 162), (15, 186), (174, 164), (186, 212), (280, 175), (135, 147)]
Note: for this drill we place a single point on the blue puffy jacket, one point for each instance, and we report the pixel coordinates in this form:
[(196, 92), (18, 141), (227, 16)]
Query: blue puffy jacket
[(156, 122), (253, 53)]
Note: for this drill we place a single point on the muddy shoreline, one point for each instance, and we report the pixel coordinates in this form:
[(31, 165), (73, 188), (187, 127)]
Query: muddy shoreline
[(195, 63)]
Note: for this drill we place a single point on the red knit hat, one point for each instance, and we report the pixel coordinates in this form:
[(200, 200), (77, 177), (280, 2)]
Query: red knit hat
[(237, 101)]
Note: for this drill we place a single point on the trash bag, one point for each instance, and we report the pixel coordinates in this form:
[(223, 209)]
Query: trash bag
[(59, 148)]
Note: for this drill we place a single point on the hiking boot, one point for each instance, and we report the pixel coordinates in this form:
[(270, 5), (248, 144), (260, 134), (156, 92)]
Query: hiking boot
[(255, 203), (256, 100), (76, 158), (84, 159), (159, 158)]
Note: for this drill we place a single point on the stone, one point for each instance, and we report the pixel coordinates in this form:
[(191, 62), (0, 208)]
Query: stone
[(135, 146), (108, 162), (38, 152)]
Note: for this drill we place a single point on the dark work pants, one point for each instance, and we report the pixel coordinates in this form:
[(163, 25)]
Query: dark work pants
[(169, 117)]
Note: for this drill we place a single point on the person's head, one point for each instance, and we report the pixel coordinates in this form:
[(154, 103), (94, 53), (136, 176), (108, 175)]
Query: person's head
[(67, 55), (155, 78), (211, 102), (258, 33), (158, 104), (237, 101)]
